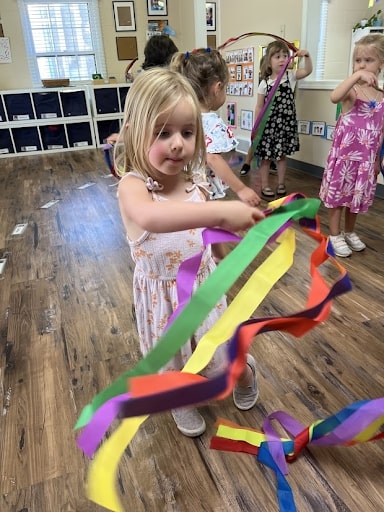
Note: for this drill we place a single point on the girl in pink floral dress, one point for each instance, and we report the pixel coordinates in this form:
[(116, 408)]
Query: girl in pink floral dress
[(350, 174), (164, 213)]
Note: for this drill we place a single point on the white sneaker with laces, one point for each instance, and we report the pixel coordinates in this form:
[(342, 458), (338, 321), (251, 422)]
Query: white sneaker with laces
[(340, 247), (354, 242)]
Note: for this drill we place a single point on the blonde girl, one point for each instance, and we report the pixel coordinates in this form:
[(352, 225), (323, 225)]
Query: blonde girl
[(164, 212), (350, 174)]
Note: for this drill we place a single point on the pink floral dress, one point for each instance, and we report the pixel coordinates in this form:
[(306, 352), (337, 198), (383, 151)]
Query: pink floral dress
[(157, 258), (349, 177)]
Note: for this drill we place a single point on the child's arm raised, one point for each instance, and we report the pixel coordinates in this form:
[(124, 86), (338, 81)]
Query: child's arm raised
[(138, 208), (307, 68), (221, 168)]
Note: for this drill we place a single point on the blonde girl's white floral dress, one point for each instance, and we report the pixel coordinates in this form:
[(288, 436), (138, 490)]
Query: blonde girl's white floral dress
[(157, 258), (349, 177)]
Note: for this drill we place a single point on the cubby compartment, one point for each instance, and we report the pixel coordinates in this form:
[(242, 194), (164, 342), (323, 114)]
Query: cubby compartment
[(53, 136), (79, 135), (106, 100), (47, 105), (3, 117), (74, 103), (104, 128), (6, 143), (26, 139), (19, 106)]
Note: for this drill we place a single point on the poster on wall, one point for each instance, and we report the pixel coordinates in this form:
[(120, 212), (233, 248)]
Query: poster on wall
[(231, 114), (5, 51), (156, 27), (241, 66)]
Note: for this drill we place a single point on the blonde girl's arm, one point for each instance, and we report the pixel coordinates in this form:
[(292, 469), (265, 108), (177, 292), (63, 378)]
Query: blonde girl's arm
[(221, 168), (138, 209), (306, 70), (344, 91)]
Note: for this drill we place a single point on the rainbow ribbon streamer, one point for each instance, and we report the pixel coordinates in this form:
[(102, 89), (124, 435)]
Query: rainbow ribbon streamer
[(357, 423), (132, 396)]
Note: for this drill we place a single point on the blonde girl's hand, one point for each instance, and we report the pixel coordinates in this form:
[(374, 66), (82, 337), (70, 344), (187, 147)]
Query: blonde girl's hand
[(368, 77), (249, 196), (237, 215)]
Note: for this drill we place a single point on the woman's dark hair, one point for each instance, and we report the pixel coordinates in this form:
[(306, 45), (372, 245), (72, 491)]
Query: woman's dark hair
[(158, 51)]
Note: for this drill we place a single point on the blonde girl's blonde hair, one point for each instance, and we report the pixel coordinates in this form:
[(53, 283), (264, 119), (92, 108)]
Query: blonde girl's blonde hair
[(155, 92), (203, 68), (272, 48), (376, 41)]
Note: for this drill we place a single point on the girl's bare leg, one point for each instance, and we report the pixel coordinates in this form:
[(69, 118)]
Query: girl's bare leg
[(334, 216), (350, 221)]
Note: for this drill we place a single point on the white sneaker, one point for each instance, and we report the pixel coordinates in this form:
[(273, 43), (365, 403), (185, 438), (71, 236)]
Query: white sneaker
[(354, 242), (189, 422), (245, 398), (340, 247)]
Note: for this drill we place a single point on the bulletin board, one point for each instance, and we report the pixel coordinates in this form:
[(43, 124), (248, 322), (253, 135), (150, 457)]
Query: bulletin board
[(126, 48), (241, 72)]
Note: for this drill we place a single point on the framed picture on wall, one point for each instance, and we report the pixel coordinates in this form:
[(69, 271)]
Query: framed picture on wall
[(232, 114), (330, 131), (210, 15), (157, 7), (318, 128), (246, 120), (124, 13), (304, 127)]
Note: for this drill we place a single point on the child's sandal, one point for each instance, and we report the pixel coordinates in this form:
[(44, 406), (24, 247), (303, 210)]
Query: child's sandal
[(281, 190), (267, 192)]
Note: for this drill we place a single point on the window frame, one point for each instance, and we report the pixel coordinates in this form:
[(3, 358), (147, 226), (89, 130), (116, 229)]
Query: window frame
[(97, 43)]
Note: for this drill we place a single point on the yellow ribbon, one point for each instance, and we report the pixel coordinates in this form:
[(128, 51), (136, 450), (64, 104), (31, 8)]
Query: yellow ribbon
[(102, 473)]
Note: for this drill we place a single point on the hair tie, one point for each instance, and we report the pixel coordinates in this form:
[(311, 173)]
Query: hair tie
[(186, 55), (208, 50)]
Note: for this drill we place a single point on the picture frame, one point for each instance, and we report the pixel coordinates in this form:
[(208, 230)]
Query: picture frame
[(330, 131), (303, 127), (246, 120), (210, 16), (157, 7), (124, 14), (318, 128), (231, 110)]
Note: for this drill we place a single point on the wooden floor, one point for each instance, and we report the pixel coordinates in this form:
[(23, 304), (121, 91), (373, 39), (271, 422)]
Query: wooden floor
[(67, 330)]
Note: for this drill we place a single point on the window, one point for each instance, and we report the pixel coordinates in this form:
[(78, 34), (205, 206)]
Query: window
[(314, 36), (63, 39), (327, 34)]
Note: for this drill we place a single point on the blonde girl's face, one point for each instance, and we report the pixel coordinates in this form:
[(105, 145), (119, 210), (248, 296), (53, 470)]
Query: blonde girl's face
[(366, 58), (173, 139), (277, 62)]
